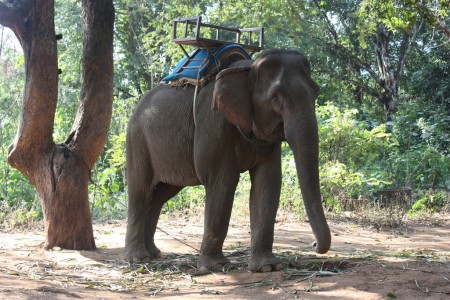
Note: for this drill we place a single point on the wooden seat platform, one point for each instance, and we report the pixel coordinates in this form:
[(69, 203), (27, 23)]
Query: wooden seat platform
[(193, 34)]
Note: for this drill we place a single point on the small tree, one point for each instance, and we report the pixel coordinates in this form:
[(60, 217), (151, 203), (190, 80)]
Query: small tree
[(60, 172)]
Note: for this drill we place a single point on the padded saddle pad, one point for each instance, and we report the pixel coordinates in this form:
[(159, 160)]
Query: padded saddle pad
[(205, 63)]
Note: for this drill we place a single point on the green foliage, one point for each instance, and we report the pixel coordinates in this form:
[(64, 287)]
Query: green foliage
[(189, 197), (357, 160), (69, 62), (430, 201), (350, 155), (428, 79), (19, 215), (402, 15), (15, 190), (344, 138), (423, 132), (108, 191), (290, 198), (421, 167)]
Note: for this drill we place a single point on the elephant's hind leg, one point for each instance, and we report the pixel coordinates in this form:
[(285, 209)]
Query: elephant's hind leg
[(162, 193), (140, 189), (139, 200)]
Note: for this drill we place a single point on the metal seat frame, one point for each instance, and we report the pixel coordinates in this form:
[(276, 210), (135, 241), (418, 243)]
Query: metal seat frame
[(202, 42)]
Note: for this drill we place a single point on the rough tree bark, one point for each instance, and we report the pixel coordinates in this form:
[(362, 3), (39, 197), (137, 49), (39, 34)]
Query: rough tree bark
[(60, 172), (388, 95)]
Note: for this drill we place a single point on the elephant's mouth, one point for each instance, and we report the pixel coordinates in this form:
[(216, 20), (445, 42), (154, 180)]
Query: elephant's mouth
[(275, 135), (278, 132)]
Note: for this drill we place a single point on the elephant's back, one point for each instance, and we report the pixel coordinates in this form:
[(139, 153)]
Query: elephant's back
[(166, 98), (162, 105)]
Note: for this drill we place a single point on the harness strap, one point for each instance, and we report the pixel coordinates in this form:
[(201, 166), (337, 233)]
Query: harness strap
[(255, 143)]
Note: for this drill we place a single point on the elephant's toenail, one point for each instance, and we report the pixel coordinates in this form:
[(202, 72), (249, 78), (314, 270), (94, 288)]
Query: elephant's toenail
[(266, 269), (203, 269)]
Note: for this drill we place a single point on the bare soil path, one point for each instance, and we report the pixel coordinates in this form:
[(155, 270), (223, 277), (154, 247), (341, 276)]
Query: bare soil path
[(408, 263)]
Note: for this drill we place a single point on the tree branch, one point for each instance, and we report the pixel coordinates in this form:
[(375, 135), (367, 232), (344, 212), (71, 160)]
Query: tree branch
[(442, 26), (34, 135), (15, 18), (93, 118), (371, 91), (330, 25), (342, 51), (346, 55), (405, 49), (7, 15), (434, 19), (357, 83)]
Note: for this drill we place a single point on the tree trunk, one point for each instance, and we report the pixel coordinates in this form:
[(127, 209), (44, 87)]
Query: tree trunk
[(60, 172), (389, 88), (390, 75)]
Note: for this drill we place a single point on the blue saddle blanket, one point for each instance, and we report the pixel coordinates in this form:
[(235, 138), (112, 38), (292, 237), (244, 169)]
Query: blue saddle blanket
[(204, 62)]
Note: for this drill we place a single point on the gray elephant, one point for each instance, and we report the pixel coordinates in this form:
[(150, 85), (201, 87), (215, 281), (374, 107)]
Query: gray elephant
[(240, 120)]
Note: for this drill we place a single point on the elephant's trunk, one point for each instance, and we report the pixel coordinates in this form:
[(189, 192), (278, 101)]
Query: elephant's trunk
[(302, 136)]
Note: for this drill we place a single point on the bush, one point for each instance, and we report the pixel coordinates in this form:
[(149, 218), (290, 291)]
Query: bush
[(340, 184), (423, 157), (380, 217), (351, 155), (20, 215), (430, 201)]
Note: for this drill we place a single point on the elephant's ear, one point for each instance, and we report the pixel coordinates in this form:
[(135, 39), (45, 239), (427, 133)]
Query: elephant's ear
[(232, 97)]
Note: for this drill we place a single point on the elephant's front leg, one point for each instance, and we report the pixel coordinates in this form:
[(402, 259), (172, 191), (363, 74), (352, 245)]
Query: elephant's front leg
[(264, 199), (219, 202)]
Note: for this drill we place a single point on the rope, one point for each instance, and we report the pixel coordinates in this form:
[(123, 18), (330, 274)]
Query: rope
[(195, 98), (253, 142), (178, 240)]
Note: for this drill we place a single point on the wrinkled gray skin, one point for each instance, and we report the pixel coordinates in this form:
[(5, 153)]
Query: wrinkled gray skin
[(270, 100)]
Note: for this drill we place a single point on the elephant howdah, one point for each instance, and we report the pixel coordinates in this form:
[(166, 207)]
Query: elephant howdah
[(242, 118)]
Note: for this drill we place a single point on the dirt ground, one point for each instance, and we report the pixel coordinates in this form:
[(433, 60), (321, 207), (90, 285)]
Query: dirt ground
[(412, 262)]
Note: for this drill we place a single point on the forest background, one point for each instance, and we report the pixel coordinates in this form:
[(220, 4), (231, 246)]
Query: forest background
[(384, 109)]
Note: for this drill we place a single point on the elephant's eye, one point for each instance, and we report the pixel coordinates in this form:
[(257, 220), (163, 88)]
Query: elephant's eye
[(275, 99), (276, 103)]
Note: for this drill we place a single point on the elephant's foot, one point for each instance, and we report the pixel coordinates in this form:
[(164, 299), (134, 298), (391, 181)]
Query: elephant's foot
[(137, 253), (212, 262), (154, 251), (265, 263)]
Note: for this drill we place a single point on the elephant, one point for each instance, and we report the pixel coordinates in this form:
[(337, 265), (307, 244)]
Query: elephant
[(236, 123)]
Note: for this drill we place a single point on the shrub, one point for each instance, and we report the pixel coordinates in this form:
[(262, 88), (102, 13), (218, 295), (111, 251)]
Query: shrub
[(351, 155), (430, 201), (423, 157)]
